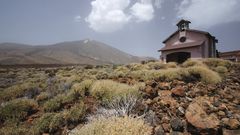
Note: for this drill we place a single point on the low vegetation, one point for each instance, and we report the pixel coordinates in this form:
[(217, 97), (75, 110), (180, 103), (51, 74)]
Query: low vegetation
[(116, 126), (103, 99), (17, 109), (107, 90)]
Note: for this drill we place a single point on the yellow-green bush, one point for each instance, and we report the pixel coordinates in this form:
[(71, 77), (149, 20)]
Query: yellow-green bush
[(206, 75), (221, 70), (156, 65), (42, 96), (59, 101), (56, 123), (14, 129), (142, 74), (17, 109), (75, 113), (169, 74), (116, 126), (136, 66), (122, 69), (106, 90), (52, 105), (82, 88), (171, 65), (48, 123), (16, 91), (102, 75), (192, 62), (213, 62)]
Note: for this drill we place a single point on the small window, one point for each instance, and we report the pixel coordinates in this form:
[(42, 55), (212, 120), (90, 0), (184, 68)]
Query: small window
[(182, 39)]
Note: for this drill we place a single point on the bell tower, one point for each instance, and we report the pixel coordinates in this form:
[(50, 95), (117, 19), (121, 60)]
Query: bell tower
[(183, 25)]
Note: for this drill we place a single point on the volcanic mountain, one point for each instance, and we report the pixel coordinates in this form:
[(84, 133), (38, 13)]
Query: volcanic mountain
[(74, 52)]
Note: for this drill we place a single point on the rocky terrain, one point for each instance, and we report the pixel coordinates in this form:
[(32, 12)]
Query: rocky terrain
[(196, 97), (195, 108)]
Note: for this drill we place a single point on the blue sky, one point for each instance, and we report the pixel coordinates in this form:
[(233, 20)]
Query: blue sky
[(134, 26)]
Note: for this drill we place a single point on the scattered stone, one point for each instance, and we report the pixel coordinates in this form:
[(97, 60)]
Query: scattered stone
[(165, 119), (231, 132), (178, 91), (176, 124), (175, 133), (221, 113), (166, 127), (198, 118), (189, 99), (151, 118), (231, 123), (181, 111), (164, 86), (159, 131), (150, 92)]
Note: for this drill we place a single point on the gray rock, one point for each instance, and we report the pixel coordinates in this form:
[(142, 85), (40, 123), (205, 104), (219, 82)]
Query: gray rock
[(177, 124)]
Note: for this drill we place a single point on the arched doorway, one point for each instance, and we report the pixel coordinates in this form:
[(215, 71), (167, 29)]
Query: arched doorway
[(178, 57)]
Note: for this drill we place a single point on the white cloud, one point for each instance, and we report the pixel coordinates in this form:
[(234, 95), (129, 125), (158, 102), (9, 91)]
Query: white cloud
[(77, 18), (208, 13), (108, 15), (112, 15), (143, 10)]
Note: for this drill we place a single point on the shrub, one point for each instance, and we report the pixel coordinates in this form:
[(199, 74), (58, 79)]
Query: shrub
[(213, 62), (156, 65), (17, 109), (82, 88), (136, 66), (116, 126), (169, 74), (192, 62), (49, 123), (52, 105), (206, 75), (16, 91), (197, 73), (59, 101), (171, 65), (102, 75), (120, 106), (122, 68), (75, 113), (14, 130), (56, 123), (42, 96), (141, 74), (221, 70), (107, 90)]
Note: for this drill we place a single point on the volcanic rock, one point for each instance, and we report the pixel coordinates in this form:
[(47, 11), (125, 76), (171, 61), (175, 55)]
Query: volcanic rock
[(166, 127), (178, 91), (231, 123), (231, 132), (198, 118), (176, 124), (159, 131)]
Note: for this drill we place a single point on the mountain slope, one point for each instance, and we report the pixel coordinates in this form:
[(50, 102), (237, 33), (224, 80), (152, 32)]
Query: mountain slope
[(76, 52)]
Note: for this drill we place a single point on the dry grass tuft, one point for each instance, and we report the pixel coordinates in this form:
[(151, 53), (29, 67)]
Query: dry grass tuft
[(107, 90), (116, 126), (213, 62), (204, 74), (192, 62)]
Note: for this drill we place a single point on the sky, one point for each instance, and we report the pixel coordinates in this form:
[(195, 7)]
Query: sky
[(137, 27)]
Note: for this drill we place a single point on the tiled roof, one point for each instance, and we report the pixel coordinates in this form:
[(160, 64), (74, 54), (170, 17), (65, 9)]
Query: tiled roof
[(182, 45), (191, 30)]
